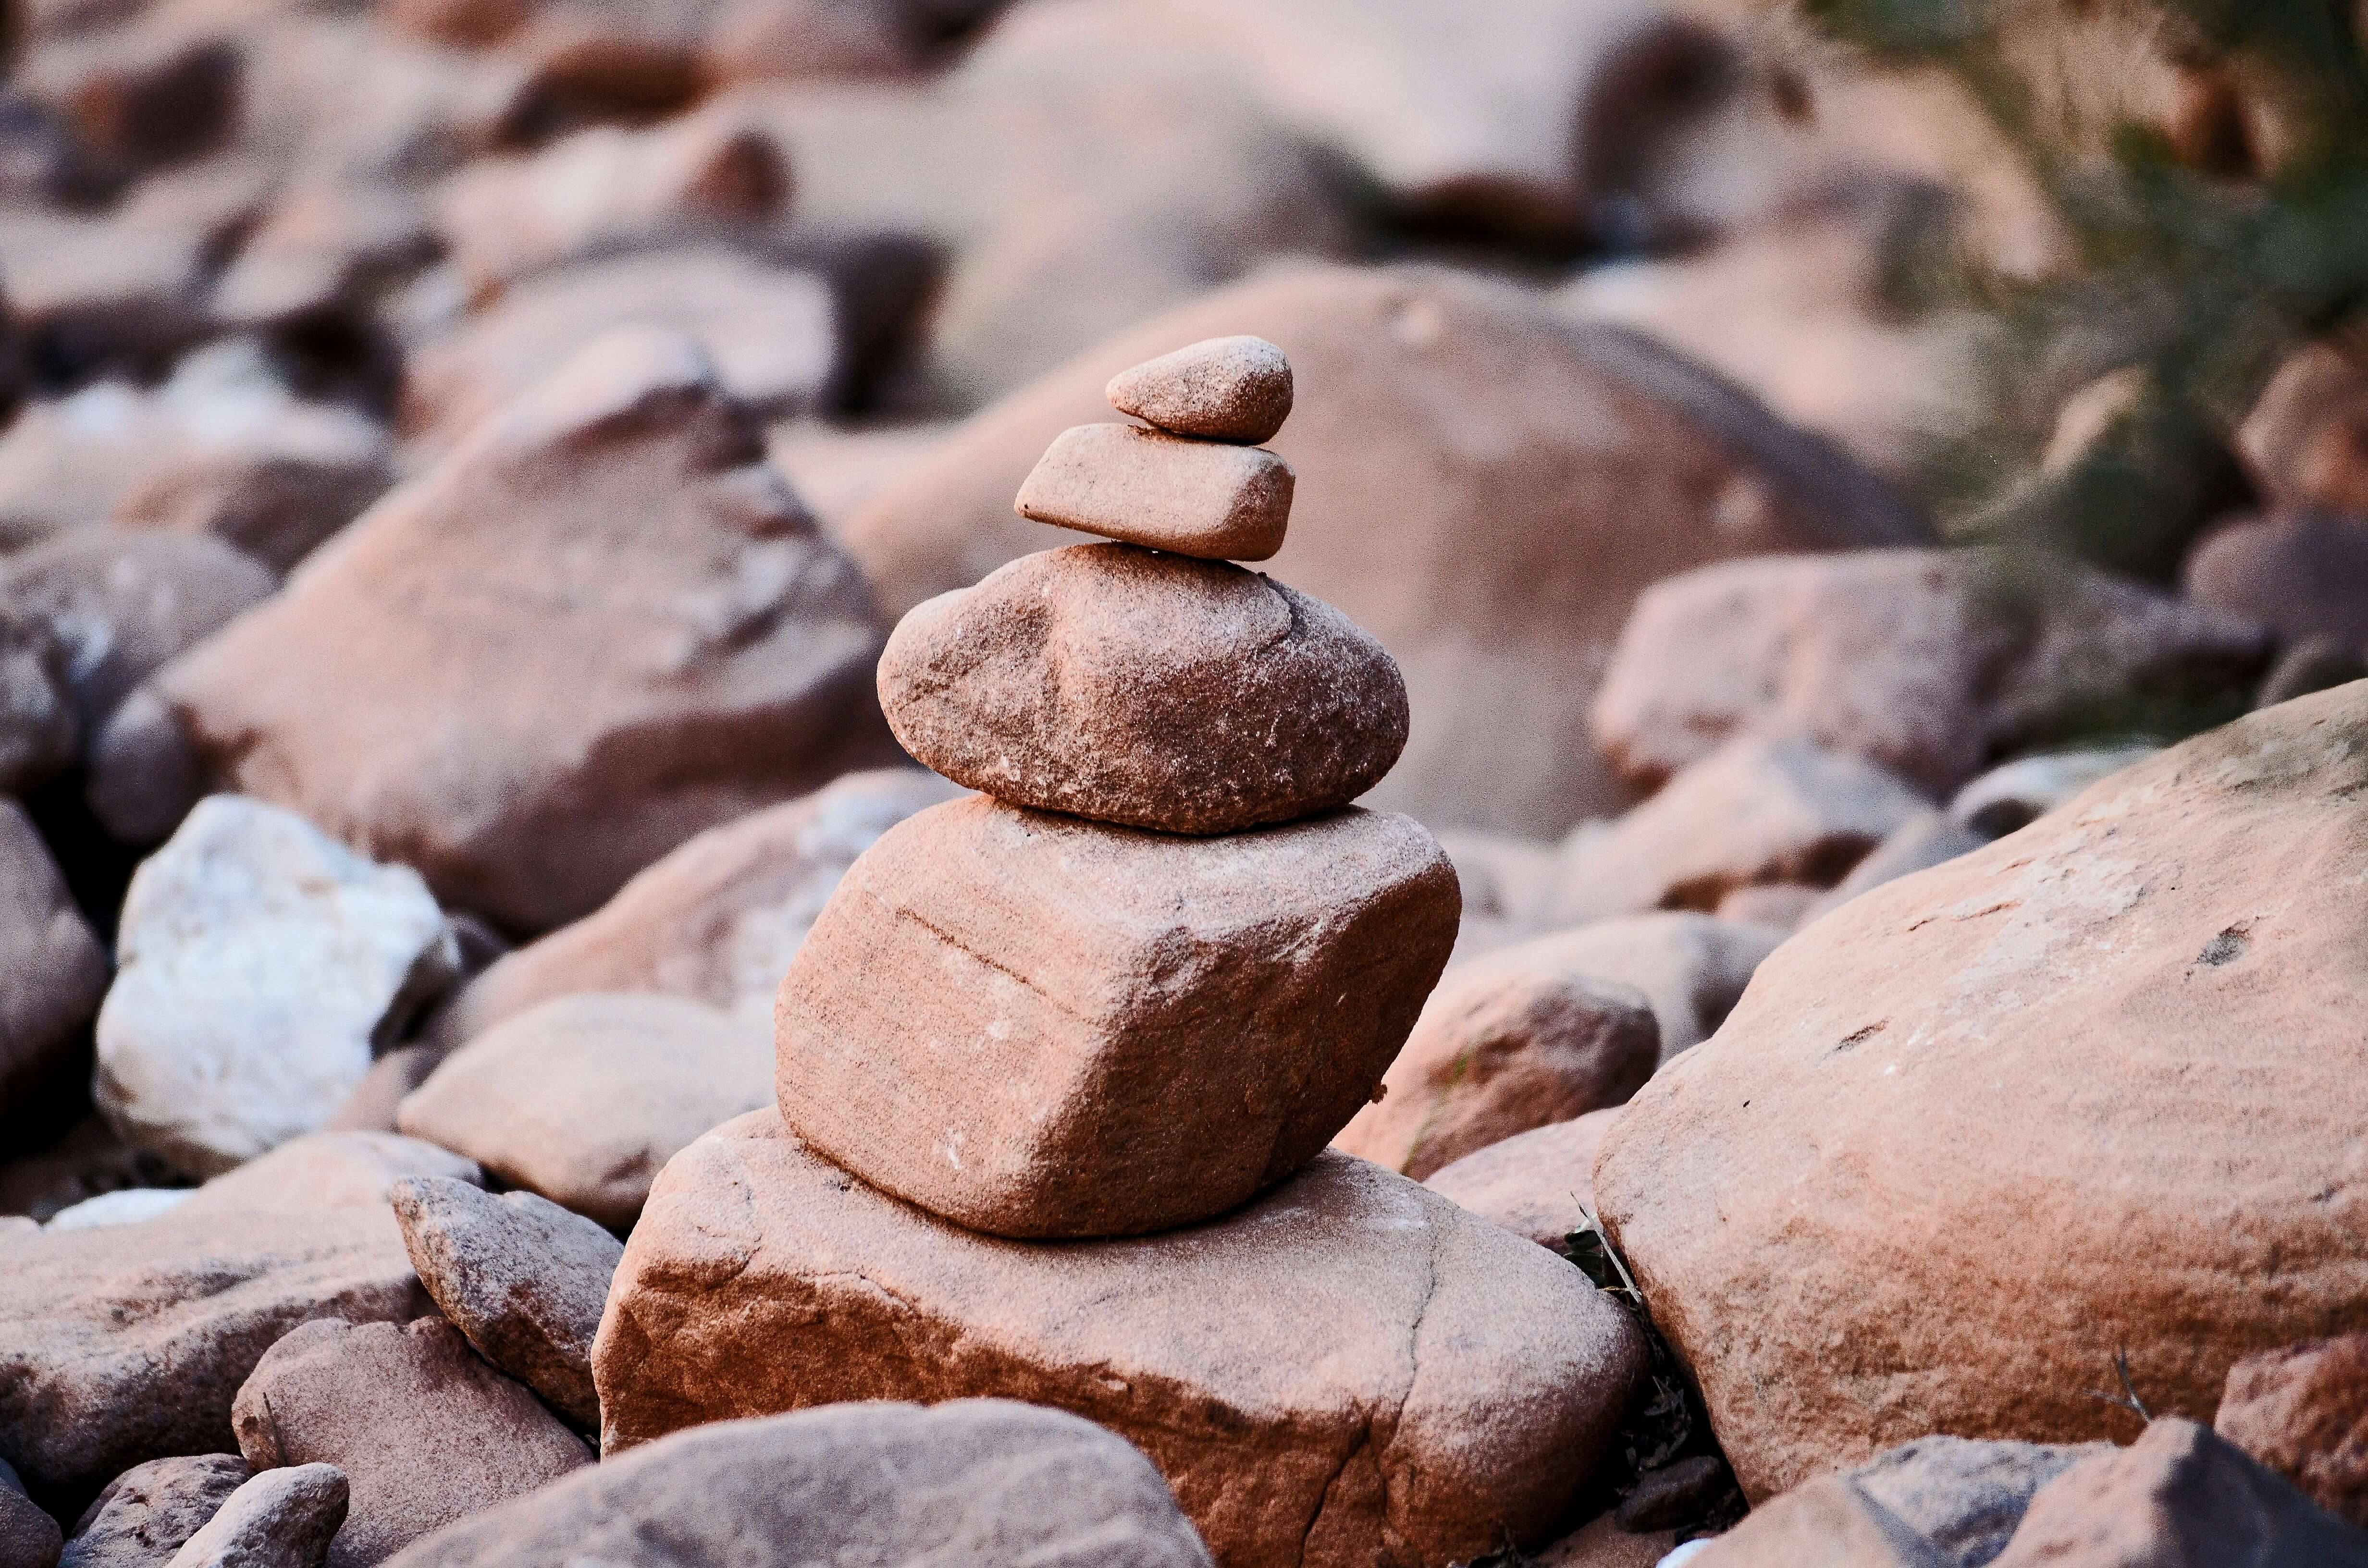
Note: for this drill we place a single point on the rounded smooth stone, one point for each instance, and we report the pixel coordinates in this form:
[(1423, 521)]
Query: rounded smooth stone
[(1224, 388), (1152, 690)]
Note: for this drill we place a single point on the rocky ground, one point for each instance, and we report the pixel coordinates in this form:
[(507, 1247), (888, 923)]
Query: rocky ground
[(1142, 782)]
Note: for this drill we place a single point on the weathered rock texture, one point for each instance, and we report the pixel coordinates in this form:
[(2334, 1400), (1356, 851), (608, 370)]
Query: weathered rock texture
[(1934, 1502), (2017, 1066), (523, 1278), (1535, 478), (260, 963), (1933, 663), (1221, 389), (1038, 1027), (597, 628), (425, 1432), (2303, 1410), (1198, 498), (971, 1480), (143, 1516), (585, 1098), (129, 1342), (1149, 689), (717, 921), (1508, 1042), (282, 1518), (1463, 1384)]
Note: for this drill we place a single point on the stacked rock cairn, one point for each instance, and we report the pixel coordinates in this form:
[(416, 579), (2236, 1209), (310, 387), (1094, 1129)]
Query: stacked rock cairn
[(1131, 989), (1141, 689)]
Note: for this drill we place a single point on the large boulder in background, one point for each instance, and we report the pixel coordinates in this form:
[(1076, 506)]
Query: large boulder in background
[(2097, 1087), (599, 627), (1933, 663), (1534, 479)]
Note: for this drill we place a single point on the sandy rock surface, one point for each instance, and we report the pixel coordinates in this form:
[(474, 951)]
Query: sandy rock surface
[(1929, 1075)]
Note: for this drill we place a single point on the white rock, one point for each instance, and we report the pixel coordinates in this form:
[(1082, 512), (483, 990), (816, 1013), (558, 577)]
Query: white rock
[(128, 1207), (260, 965)]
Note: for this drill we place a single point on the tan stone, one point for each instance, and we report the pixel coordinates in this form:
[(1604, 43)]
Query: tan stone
[(1349, 1371), (2017, 1067), (1535, 478), (328, 1170), (596, 629), (1511, 1041), (1539, 1183), (1153, 690), (1172, 493), (717, 921), (2303, 1410), (2302, 441), (425, 1431), (127, 1343), (282, 1518), (582, 1099), (1038, 1026), (970, 1480), (1221, 389)]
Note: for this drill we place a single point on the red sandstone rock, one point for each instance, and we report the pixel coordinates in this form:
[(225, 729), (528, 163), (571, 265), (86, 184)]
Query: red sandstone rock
[(1541, 474), (2303, 1410), (1933, 663), (1148, 690), (1199, 498), (1351, 1371), (1535, 1184), (596, 629), (1220, 389), (1038, 1026), (2015, 1066)]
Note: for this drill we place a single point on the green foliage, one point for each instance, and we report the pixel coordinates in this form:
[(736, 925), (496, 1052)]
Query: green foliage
[(2201, 257)]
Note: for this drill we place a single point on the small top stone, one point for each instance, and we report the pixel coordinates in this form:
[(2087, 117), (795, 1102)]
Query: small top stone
[(1224, 388)]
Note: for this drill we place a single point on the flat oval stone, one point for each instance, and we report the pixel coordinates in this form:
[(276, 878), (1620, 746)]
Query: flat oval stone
[(1151, 690), (1035, 1026), (1227, 389), (1200, 498)]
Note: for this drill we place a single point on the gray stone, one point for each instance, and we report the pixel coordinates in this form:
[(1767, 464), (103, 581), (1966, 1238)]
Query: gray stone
[(523, 1278), (28, 1536), (2018, 793), (282, 1518), (144, 1516), (977, 1481)]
